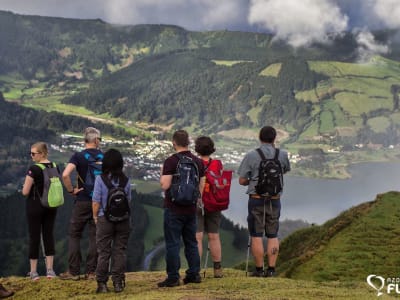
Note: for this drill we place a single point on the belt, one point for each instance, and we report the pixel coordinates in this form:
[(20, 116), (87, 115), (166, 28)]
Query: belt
[(256, 196)]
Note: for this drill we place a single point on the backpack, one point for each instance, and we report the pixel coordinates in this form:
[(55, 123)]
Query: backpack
[(117, 208), (270, 175), (52, 195), (184, 189), (93, 170), (217, 187)]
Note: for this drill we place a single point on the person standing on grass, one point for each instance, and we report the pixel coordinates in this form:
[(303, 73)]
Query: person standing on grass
[(111, 236), (40, 219), (82, 210), (209, 221), (180, 220), (263, 211)]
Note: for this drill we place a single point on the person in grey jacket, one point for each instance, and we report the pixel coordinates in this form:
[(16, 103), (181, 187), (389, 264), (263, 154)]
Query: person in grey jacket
[(263, 211)]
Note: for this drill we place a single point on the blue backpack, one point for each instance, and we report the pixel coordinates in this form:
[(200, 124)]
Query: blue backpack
[(94, 169), (184, 189)]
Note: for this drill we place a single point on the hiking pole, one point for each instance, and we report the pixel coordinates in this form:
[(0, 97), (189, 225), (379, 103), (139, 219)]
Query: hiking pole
[(263, 238), (206, 260), (248, 253)]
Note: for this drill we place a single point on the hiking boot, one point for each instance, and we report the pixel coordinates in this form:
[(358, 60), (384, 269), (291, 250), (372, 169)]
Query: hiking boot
[(192, 279), (168, 283), (4, 293), (68, 276), (270, 273), (50, 274), (218, 273), (90, 276), (118, 286), (34, 276), (257, 273), (102, 288)]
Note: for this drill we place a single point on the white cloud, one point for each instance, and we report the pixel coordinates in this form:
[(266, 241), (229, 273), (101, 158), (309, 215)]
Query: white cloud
[(388, 11), (298, 22), (368, 46)]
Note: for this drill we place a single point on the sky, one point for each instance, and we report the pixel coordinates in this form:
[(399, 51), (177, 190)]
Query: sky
[(299, 22)]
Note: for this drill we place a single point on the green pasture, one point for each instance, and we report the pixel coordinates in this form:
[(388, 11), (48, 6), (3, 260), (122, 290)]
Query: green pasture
[(379, 124), (228, 63), (272, 70)]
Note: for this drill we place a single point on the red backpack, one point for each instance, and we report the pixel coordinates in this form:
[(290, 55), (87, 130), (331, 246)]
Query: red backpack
[(217, 187)]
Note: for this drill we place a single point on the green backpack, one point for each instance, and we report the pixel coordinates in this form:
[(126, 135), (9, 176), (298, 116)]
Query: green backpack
[(53, 195)]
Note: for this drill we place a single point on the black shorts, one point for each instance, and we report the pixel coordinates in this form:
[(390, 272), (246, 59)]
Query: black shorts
[(263, 217)]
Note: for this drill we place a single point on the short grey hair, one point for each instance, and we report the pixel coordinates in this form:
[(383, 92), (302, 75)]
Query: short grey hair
[(91, 134)]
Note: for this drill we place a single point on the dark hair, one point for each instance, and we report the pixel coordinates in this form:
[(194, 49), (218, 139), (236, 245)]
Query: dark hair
[(267, 134), (181, 138), (113, 164), (204, 145)]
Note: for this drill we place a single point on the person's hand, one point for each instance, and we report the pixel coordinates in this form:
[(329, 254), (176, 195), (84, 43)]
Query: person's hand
[(95, 220)]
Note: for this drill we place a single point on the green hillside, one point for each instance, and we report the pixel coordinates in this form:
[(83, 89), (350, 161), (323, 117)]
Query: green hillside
[(361, 241), (221, 83)]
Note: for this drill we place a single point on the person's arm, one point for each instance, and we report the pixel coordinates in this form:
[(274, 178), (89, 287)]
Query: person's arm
[(66, 177), (202, 183), (165, 182), (243, 181), (95, 210), (27, 185)]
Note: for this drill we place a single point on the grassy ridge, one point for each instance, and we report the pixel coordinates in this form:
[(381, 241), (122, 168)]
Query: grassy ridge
[(361, 241), (142, 285)]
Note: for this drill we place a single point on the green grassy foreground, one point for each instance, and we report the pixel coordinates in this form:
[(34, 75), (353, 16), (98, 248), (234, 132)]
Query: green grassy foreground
[(235, 285)]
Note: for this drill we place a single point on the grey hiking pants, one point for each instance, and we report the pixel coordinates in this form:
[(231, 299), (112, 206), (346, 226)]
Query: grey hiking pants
[(112, 242)]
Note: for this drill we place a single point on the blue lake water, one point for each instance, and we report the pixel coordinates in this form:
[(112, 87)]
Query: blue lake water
[(318, 200)]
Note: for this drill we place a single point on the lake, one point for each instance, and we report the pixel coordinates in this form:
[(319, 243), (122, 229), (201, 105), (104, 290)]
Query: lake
[(318, 200)]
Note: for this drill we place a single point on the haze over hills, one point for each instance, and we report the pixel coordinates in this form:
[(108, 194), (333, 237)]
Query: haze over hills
[(332, 103)]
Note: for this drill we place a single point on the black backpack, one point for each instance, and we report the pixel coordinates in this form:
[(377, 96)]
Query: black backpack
[(117, 208), (270, 175), (184, 189)]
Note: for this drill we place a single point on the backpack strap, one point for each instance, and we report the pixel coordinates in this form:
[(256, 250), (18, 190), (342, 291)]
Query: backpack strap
[(122, 183), (259, 151)]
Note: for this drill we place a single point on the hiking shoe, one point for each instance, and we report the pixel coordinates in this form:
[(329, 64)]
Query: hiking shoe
[(4, 293), (90, 276), (256, 273), (218, 273), (192, 279), (34, 276), (168, 283), (118, 286), (50, 274), (270, 273), (68, 276), (102, 288)]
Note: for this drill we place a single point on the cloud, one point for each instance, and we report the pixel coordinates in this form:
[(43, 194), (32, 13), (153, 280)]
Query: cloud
[(388, 11), (298, 22), (368, 46)]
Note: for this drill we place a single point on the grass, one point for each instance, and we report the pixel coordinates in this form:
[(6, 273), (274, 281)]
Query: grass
[(361, 241), (234, 285), (272, 70)]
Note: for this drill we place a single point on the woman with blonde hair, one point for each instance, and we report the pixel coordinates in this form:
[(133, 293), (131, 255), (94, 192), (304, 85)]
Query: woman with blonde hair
[(40, 219)]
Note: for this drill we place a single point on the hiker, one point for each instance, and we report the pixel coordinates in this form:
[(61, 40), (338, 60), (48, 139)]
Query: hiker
[(4, 293), (83, 163), (209, 221), (263, 211), (111, 235), (40, 219), (180, 218)]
